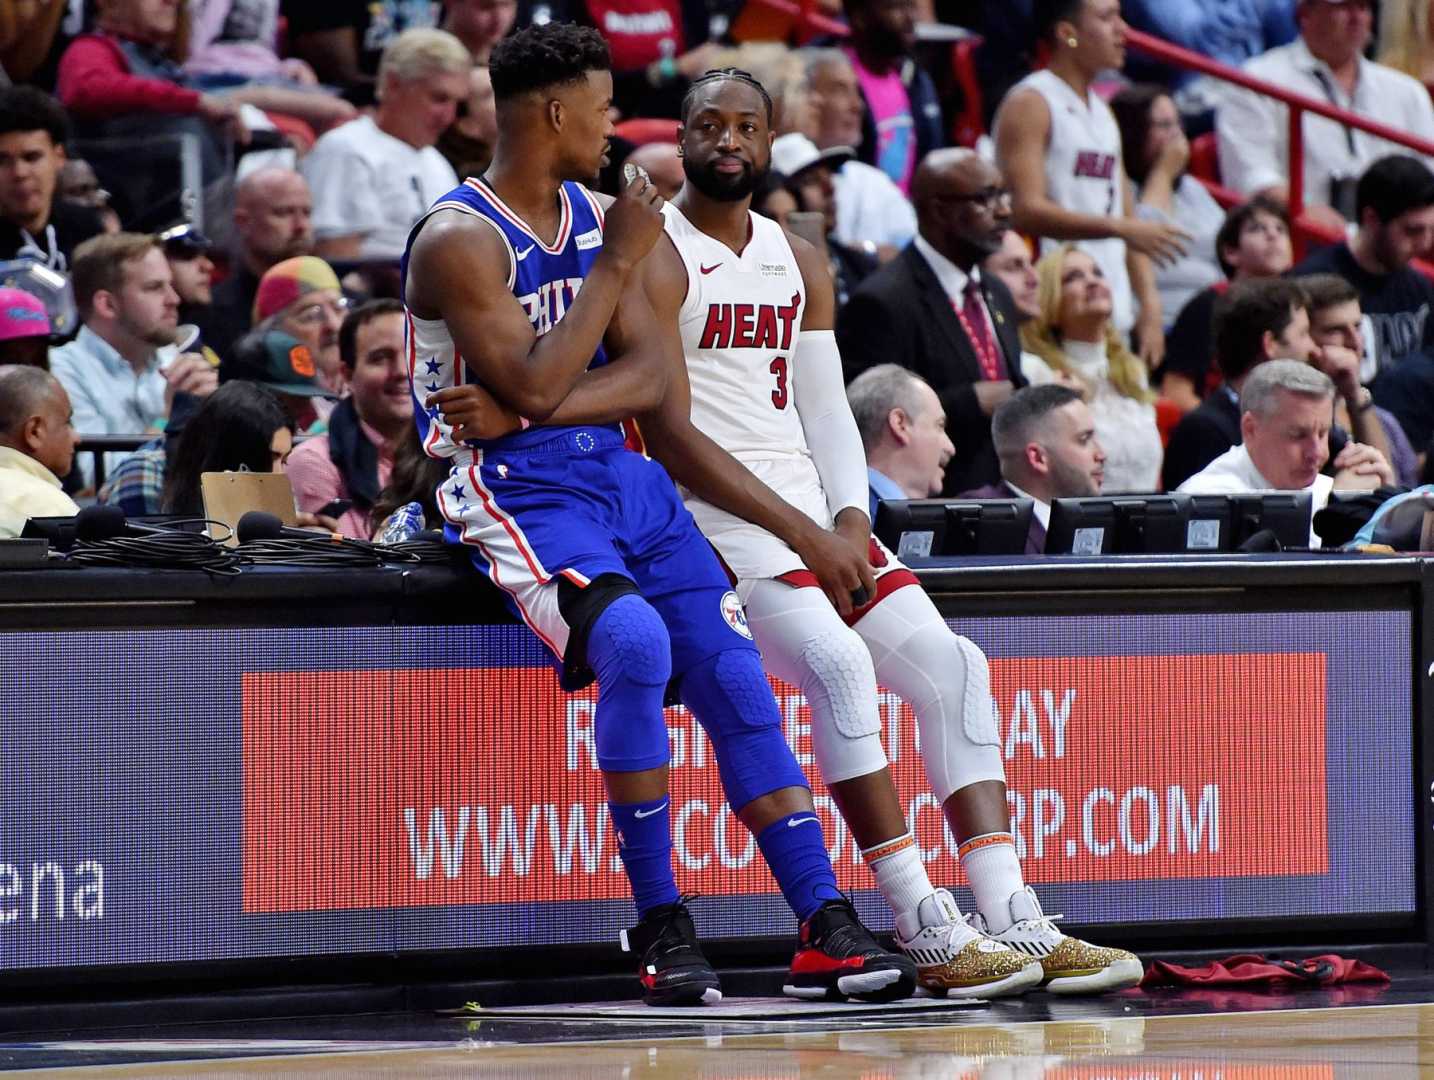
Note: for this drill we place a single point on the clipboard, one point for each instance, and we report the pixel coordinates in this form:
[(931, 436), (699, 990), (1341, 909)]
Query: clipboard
[(228, 496)]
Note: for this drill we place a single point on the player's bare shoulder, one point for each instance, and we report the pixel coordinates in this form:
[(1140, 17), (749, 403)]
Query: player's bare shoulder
[(1023, 115), (451, 248)]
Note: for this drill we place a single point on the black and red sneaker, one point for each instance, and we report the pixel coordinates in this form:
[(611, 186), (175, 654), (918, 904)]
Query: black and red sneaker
[(837, 958), (671, 966)]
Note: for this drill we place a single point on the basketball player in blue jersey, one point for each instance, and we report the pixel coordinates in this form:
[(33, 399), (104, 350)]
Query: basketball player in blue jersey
[(726, 288), (519, 282)]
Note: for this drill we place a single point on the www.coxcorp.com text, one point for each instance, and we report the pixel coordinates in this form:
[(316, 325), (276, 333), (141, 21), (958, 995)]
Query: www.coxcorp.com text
[(577, 838)]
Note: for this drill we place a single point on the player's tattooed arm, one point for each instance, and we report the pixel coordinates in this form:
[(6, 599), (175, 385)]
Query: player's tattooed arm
[(705, 468)]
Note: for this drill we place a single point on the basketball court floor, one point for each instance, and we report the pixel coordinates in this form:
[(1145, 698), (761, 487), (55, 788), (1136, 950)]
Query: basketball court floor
[(1384, 1031)]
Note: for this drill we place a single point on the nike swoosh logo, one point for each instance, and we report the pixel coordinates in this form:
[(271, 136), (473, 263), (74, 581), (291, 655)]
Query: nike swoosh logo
[(655, 809), (525, 252), (799, 821), (709, 269)]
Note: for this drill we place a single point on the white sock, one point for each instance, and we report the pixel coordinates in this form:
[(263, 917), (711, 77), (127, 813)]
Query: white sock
[(994, 873), (899, 872)]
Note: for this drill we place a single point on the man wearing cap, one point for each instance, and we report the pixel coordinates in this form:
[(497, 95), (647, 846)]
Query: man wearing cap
[(294, 346), (24, 330), (122, 372), (37, 447), (351, 462), (809, 174), (187, 251), (870, 209), (932, 310)]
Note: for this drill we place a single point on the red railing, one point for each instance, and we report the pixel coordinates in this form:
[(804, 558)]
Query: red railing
[(1297, 105), (809, 23)]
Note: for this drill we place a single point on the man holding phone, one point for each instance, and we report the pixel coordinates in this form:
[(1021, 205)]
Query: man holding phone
[(340, 474)]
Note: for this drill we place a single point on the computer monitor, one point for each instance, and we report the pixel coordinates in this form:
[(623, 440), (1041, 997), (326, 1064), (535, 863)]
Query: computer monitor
[(926, 528), (1085, 526), (1207, 524), (1149, 524), (1284, 513), (913, 528), (987, 526)]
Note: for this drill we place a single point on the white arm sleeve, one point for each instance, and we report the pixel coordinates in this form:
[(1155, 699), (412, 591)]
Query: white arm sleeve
[(835, 443)]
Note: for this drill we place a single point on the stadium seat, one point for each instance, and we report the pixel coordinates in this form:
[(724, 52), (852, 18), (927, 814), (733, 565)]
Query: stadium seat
[(1205, 158), (642, 129)]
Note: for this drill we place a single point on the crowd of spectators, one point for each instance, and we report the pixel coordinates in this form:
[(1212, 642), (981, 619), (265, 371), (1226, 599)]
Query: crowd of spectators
[(202, 203)]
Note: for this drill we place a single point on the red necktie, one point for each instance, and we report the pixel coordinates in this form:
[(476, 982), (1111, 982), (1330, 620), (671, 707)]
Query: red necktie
[(973, 321)]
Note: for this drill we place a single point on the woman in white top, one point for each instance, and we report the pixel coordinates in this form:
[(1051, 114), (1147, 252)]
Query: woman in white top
[(1074, 334), (1156, 156)]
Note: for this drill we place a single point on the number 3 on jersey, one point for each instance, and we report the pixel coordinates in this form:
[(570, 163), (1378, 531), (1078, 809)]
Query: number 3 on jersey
[(778, 368)]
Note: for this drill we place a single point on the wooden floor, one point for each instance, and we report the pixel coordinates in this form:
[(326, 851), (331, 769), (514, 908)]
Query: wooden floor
[(1376, 1042)]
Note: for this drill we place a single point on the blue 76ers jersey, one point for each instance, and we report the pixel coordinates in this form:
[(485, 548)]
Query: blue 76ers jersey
[(544, 279)]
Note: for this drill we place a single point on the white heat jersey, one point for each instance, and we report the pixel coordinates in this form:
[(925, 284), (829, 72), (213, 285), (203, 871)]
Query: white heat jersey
[(1084, 175), (739, 326)]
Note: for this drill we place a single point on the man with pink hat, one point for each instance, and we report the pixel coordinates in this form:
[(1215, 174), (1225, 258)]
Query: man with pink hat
[(24, 330)]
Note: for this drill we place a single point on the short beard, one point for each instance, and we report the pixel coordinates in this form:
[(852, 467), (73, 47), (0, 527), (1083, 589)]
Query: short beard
[(1068, 482), (721, 188)]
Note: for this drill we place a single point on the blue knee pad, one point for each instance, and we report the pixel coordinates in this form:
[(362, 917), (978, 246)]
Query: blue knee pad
[(628, 649), (731, 698)]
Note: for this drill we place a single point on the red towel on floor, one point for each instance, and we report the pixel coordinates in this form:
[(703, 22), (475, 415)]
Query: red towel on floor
[(1250, 970)]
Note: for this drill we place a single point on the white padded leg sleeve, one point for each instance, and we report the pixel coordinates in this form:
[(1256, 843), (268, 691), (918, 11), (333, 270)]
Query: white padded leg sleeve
[(804, 641), (946, 681)]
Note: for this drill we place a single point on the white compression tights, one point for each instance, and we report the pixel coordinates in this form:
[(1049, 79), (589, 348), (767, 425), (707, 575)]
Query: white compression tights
[(903, 644)]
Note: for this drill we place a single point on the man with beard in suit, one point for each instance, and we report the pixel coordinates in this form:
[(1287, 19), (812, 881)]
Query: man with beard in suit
[(932, 310), (1045, 438)]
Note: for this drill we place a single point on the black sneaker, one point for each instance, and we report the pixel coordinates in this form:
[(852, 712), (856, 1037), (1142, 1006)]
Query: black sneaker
[(671, 966), (838, 958)]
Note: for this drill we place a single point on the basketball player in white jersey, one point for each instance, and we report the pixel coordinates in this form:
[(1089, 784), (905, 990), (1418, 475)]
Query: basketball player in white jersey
[(754, 309), (1059, 149), (751, 307)]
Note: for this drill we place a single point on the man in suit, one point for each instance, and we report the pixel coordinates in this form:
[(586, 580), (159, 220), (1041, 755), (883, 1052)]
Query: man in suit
[(1258, 320), (903, 432), (1045, 439), (931, 310)]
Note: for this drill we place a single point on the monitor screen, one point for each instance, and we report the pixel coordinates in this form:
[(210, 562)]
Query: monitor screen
[(913, 528), (1082, 527), (987, 526), (1286, 514)]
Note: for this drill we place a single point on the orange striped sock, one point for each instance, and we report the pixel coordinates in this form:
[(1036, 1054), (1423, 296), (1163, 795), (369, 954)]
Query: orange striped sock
[(994, 874), (900, 875)]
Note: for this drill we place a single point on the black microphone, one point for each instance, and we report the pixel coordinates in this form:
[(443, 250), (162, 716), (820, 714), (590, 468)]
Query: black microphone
[(260, 525), (107, 522)]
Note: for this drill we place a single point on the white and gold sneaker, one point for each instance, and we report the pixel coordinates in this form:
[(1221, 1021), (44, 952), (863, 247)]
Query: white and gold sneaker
[(1069, 965), (953, 960)]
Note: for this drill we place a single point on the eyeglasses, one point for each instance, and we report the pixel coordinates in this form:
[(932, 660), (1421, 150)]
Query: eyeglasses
[(985, 199), (312, 314)]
